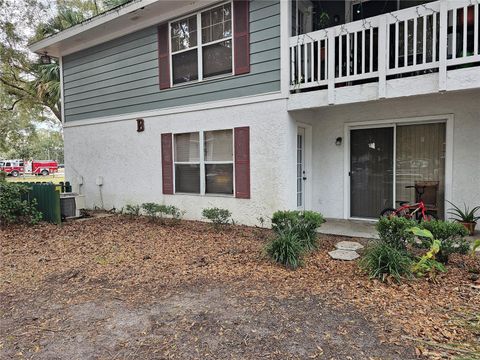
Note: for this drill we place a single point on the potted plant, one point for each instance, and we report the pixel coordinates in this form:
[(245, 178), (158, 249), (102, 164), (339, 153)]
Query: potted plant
[(467, 217)]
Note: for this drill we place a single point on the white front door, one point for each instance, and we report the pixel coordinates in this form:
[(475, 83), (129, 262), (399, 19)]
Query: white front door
[(301, 178)]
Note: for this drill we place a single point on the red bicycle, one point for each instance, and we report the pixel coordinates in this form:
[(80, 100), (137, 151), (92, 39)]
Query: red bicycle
[(417, 211)]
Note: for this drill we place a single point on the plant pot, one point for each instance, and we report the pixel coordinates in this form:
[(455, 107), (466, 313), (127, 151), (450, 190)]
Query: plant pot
[(470, 226)]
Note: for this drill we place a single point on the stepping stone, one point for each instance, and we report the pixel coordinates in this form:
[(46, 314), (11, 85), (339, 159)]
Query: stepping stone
[(349, 245), (346, 255)]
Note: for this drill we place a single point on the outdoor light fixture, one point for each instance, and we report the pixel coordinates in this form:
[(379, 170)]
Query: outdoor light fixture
[(338, 141), (45, 59)]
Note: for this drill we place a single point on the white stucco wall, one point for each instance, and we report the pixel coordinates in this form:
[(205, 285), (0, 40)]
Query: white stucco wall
[(130, 162), (329, 123)]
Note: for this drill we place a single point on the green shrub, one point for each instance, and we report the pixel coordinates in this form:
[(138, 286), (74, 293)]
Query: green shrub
[(394, 231), (384, 262), (170, 210), (13, 206), (303, 223), (3, 176), (217, 216), (286, 249), (427, 265), (451, 236), (133, 210), (151, 210), (158, 212)]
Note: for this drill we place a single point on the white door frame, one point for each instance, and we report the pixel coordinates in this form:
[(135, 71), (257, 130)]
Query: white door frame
[(307, 185), (448, 119)]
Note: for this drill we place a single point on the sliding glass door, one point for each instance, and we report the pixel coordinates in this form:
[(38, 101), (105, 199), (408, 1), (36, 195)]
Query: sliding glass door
[(420, 161), (387, 163)]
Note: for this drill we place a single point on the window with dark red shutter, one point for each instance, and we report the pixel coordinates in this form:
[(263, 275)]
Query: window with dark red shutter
[(167, 164), (205, 45), (241, 36), (242, 162)]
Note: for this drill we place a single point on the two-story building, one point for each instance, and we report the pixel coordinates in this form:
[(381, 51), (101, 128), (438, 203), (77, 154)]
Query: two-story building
[(335, 106)]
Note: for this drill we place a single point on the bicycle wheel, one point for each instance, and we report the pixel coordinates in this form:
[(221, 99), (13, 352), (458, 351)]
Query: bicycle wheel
[(388, 212)]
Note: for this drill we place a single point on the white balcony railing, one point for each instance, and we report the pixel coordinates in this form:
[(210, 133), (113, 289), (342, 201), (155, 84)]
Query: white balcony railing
[(425, 38)]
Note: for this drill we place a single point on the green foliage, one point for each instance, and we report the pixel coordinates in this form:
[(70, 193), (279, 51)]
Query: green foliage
[(465, 215), (14, 208), (475, 246), (451, 236), (170, 210), (286, 249), (422, 233), (157, 212), (394, 231), (383, 261), (3, 176), (427, 265), (133, 210), (151, 210), (303, 223), (217, 216)]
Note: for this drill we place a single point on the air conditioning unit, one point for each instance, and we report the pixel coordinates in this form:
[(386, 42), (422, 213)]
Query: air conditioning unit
[(71, 204)]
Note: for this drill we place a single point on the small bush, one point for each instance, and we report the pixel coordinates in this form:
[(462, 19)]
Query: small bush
[(427, 265), (151, 210), (384, 261), (451, 236), (133, 210), (217, 216), (286, 249), (303, 223), (3, 175), (13, 206), (172, 211), (394, 231), (158, 212)]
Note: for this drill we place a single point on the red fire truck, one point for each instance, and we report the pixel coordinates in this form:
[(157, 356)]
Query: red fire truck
[(35, 167)]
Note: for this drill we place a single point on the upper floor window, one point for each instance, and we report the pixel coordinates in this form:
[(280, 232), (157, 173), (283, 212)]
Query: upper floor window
[(201, 45)]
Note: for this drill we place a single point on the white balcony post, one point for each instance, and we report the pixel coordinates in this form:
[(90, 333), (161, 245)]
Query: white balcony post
[(382, 57), (443, 43), (331, 67)]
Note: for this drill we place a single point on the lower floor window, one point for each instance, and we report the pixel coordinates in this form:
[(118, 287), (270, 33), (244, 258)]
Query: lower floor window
[(204, 162)]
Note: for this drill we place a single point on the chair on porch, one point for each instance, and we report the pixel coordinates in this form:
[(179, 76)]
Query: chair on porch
[(427, 191)]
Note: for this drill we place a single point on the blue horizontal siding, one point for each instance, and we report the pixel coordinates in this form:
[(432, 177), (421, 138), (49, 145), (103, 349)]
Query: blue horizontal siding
[(121, 76)]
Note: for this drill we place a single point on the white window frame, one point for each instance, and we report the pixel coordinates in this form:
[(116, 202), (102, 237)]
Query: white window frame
[(202, 162), (200, 45)]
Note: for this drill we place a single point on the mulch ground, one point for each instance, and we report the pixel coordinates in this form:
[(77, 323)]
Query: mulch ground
[(121, 288)]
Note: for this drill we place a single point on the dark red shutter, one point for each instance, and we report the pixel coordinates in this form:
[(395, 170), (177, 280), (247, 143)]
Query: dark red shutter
[(167, 164), (241, 36), (163, 57), (242, 162)]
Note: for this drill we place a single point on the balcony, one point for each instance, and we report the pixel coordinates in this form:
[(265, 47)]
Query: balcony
[(424, 49)]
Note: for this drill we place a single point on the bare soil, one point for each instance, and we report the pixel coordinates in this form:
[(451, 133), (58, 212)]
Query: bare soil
[(120, 288)]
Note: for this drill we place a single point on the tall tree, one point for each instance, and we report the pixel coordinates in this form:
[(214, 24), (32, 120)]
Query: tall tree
[(22, 77)]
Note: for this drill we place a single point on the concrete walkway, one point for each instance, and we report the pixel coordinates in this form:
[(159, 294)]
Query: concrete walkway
[(351, 228), (361, 229)]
